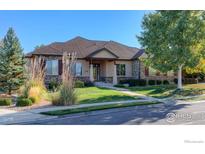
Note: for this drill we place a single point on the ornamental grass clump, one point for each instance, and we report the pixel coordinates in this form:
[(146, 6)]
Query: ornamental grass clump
[(67, 94), (35, 87)]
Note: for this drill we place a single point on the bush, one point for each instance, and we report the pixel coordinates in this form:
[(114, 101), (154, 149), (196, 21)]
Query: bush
[(23, 102), (5, 101), (53, 85), (120, 85), (133, 82), (175, 81), (142, 82), (158, 82), (165, 82), (190, 81), (88, 84), (151, 82), (79, 84), (33, 99), (124, 81)]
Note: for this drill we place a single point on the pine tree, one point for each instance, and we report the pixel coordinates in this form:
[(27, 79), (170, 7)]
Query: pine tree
[(11, 63)]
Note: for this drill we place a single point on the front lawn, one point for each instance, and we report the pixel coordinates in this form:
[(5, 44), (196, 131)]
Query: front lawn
[(163, 91), (98, 95), (95, 108)]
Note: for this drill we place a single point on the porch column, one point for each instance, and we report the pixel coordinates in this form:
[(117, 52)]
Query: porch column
[(91, 73), (114, 75)]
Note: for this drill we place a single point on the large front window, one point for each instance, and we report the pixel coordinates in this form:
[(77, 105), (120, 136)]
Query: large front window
[(52, 67), (121, 69), (78, 69)]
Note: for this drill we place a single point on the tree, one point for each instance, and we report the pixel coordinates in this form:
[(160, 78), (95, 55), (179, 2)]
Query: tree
[(173, 40), (38, 46), (12, 63)]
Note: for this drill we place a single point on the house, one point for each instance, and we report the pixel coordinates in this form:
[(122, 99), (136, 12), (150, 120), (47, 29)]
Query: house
[(106, 61)]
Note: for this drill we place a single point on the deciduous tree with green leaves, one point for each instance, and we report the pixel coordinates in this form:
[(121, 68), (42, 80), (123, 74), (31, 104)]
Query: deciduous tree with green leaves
[(12, 63), (173, 40)]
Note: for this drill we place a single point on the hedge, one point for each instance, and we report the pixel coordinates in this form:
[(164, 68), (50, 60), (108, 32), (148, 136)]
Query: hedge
[(5, 101)]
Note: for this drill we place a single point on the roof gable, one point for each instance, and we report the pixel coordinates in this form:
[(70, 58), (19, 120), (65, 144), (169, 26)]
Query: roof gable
[(103, 53)]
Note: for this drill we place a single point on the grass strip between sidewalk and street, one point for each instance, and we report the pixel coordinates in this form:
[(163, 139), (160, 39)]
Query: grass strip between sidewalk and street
[(95, 108)]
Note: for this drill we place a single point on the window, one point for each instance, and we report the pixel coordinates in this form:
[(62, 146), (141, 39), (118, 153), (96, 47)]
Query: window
[(146, 71), (121, 69), (78, 69), (52, 67)]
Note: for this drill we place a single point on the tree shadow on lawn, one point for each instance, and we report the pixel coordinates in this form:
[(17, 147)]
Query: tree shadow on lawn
[(155, 91), (110, 98)]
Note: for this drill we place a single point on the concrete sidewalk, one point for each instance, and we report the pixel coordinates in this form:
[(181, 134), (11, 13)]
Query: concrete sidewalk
[(15, 117)]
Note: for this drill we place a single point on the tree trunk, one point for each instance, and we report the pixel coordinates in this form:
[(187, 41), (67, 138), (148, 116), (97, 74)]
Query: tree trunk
[(179, 86)]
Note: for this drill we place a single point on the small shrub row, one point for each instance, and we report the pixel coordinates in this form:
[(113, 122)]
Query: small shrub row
[(21, 101), (133, 82), (187, 81), (81, 84), (5, 101), (136, 82)]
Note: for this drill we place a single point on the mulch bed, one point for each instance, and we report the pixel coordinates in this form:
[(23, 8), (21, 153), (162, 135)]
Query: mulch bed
[(42, 104)]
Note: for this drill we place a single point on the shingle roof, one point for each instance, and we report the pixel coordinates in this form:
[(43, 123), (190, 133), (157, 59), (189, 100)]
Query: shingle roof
[(84, 47)]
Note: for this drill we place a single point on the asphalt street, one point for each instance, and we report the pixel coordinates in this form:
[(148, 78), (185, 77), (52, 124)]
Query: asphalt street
[(160, 114)]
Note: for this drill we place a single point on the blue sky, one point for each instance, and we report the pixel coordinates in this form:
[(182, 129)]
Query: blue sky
[(44, 27)]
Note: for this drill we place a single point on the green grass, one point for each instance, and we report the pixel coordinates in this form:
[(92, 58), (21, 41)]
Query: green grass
[(163, 91), (95, 108), (89, 95), (97, 95), (155, 91)]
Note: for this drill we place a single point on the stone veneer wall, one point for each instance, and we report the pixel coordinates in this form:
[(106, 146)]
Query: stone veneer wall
[(135, 69)]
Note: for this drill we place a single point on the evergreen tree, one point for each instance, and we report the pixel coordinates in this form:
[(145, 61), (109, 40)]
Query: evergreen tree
[(11, 63)]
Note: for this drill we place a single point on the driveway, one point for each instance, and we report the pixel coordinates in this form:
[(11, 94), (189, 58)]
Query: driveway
[(160, 114)]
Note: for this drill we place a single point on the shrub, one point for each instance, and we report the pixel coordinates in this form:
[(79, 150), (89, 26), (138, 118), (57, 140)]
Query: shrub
[(53, 85), (5, 101), (142, 82), (124, 81), (23, 102), (133, 82), (158, 82), (166, 82), (120, 85), (79, 84), (88, 84), (175, 81), (151, 82), (190, 81), (33, 99)]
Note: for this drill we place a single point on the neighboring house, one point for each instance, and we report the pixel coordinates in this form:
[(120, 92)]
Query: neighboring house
[(106, 61)]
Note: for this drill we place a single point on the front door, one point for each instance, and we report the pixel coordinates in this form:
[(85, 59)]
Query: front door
[(96, 72)]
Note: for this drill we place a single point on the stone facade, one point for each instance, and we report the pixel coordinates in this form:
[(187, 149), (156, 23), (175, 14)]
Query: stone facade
[(136, 69)]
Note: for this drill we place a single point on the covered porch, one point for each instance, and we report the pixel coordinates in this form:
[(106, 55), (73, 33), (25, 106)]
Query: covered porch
[(102, 66)]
